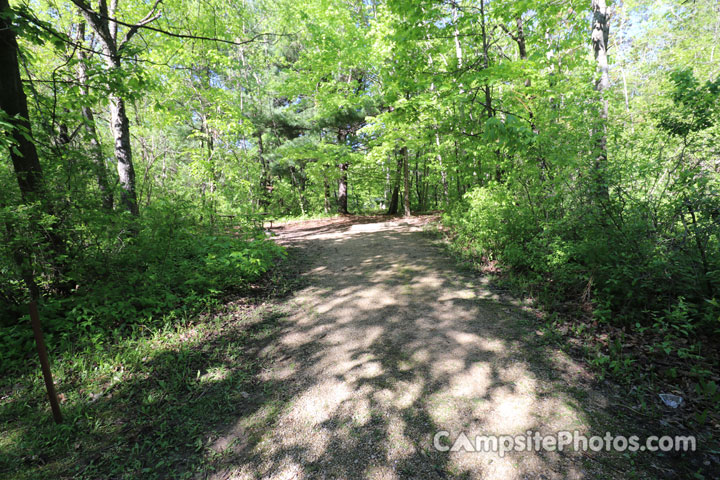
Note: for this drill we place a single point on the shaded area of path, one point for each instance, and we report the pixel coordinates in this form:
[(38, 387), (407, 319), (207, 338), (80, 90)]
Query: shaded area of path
[(386, 344)]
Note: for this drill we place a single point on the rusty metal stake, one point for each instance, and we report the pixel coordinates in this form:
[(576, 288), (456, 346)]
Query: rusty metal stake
[(44, 362)]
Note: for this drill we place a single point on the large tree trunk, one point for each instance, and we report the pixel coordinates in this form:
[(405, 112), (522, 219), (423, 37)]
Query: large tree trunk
[(600, 37), (120, 127), (14, 104)]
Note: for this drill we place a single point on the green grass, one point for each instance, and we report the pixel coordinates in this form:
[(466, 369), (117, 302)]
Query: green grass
[(145, 407)]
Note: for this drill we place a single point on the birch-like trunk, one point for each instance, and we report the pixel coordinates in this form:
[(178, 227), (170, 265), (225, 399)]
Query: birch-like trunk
[(120, 128), (600, 37), (101, 173), (101, 21)]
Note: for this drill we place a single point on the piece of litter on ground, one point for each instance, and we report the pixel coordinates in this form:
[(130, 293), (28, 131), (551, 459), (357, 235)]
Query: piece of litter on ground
[(672, 401)]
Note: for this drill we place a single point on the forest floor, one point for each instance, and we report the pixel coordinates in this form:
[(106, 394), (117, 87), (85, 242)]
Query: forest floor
[(358, 348), (386, 343)]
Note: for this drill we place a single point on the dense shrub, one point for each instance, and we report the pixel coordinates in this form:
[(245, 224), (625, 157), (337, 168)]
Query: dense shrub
[(120, 284)]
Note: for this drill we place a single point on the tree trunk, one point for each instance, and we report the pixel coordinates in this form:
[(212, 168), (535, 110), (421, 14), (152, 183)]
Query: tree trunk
[(326, 186), (14, 104), (486, 59), (342, 189), (120, 127), (456, 37), (406, 183), (101, 173), (395, 197), (299, 188), (24, 156), (487, 88), (600, 37), (443, 173), (342, 182), (265, 178), (520, 39), (106, 31)]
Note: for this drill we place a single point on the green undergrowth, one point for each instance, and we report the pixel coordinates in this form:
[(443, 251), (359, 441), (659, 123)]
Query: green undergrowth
[(635, 309), (153, 401), (126, 286)]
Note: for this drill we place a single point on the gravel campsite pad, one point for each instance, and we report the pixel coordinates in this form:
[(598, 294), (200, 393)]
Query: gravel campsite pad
[(387, 343)]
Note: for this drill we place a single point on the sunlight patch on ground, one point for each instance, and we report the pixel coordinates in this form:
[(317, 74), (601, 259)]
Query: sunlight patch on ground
[(318, 403)]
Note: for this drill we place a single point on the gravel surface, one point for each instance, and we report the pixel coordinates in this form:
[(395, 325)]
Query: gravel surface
[(388, 343)]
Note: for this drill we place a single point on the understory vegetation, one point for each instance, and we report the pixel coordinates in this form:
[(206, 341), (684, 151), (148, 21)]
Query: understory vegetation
[(572, 148), (172, 269)]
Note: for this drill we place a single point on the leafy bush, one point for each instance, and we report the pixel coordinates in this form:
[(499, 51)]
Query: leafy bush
[(171, 268)]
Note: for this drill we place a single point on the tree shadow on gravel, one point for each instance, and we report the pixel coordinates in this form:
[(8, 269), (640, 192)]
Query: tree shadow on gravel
[(387, 345)]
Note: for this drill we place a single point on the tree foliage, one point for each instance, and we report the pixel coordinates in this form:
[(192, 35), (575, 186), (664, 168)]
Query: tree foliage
[(487, 110)]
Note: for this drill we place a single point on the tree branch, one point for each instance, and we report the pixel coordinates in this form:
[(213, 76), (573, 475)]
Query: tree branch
[(149, 18), (88, 10)]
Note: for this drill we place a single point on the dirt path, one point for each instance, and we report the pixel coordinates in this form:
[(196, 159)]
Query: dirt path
[(388, 344)]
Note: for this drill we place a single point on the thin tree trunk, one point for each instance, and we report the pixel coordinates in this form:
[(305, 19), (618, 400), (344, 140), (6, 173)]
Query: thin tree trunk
[(487, 89), (522, 49), (436, 128), (600, 37), (406, 183), (456, 36), (326, 190), (395, 197), (519, 38), (265, 178), (627, 100), (297, 185), (486, 58), (443, 173), (342, 181)]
